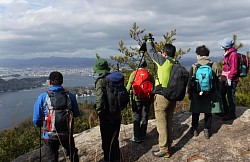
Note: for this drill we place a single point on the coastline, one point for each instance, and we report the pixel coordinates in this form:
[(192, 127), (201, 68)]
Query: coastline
[(17, 106)]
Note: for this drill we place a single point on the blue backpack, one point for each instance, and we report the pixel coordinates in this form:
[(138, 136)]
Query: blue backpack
[(117, 95), (204, 78)]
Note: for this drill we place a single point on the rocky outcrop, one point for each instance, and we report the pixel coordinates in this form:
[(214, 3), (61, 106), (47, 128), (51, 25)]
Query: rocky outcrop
[(230, 142)]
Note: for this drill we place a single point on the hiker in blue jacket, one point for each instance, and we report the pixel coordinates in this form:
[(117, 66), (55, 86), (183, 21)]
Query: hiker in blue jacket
[(52, 140)]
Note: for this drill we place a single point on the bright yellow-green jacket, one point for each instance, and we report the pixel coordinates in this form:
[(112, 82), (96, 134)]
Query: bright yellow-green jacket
[(164, 66)]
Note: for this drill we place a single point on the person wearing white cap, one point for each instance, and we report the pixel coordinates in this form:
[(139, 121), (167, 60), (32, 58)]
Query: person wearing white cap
[(229, 78)]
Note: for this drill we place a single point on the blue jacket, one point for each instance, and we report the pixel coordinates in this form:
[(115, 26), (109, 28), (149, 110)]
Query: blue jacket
[(40, 111)]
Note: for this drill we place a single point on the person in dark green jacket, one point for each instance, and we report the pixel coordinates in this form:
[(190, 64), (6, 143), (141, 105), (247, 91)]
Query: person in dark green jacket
[(206, 103), (109, 122), (140, 106)]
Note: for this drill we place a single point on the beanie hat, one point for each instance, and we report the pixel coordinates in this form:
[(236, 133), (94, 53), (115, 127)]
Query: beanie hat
[(226, 42), (55, 76), (101, 66)]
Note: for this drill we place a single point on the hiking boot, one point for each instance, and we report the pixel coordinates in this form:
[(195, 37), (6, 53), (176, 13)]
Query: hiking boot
[(229, 117), (194, 131), (133, 139), (162, 154), (142, 139), (206, 133)]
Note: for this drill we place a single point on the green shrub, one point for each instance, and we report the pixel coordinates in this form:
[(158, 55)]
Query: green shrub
[(242, 100)]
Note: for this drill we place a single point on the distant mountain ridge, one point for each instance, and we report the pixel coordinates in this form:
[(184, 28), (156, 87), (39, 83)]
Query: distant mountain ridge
[(48, 62), (71, 62)]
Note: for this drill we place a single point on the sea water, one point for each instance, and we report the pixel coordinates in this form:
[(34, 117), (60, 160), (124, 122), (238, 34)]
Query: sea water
[(17, 106)]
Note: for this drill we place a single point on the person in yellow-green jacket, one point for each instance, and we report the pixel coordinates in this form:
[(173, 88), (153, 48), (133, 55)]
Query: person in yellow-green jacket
[(141, 99), (163, 108)]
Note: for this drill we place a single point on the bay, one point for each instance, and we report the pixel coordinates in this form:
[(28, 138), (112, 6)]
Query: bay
[(16, 107)]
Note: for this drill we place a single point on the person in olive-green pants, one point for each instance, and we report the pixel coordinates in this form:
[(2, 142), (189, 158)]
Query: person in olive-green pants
[(164, 108)]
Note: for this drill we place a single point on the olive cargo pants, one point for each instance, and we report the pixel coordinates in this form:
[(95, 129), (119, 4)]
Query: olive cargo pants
[(164, 111)]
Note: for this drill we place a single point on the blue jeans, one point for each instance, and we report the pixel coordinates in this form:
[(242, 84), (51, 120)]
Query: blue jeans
[(229, 103), (141, 111)]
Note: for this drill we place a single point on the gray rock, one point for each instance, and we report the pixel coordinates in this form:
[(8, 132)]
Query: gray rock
[(229, 142)]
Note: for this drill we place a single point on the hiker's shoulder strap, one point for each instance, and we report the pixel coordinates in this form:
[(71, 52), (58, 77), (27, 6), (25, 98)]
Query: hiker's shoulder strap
[(210, 63), (172, 60), (101, 77), (195, 66), (49, 92)]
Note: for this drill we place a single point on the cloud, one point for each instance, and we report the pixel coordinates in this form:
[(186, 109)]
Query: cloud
[(82, 28)]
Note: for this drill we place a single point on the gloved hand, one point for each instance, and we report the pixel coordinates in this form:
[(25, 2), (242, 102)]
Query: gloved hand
[(100, 114), (229, 82), (143, 47), (150, 37)]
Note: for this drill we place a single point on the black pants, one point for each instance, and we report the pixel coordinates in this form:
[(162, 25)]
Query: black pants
[(228, 97), (110, 130), (52, 147), (207, 120), (141, 111)]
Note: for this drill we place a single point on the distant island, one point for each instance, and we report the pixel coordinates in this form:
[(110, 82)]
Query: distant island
[(21, 84)]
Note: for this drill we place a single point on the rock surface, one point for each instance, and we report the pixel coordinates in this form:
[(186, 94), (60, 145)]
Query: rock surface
[(230, 142)]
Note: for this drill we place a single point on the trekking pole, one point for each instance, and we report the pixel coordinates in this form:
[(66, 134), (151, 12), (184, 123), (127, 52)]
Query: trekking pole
[(117, 65), (138, 66), (65, 155), (40, 139), (70, 134), (132, 96)]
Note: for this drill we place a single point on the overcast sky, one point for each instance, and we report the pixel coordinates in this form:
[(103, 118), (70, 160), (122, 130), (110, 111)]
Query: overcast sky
[(82, 28)]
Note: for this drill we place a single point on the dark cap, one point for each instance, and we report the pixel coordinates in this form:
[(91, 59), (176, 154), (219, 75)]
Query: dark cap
[(55, 75)]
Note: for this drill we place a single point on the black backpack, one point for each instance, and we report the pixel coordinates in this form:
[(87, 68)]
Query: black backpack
[(57, 123), (117, 95), (176, 88)]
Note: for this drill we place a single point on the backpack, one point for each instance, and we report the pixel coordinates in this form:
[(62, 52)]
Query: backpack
[(117, 95), (57, 123), (243, 65), (204, 78), (176, 88), (141, 85)]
